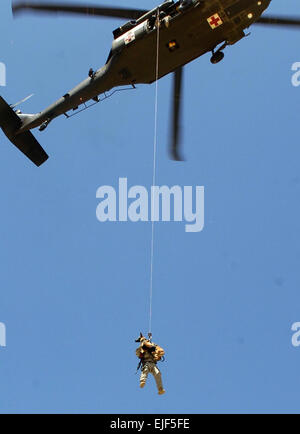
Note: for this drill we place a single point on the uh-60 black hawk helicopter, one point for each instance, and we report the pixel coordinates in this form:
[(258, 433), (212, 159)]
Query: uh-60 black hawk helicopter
[(176, 32)]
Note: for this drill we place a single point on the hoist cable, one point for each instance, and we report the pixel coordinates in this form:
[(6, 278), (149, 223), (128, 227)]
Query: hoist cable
[(154, 170)]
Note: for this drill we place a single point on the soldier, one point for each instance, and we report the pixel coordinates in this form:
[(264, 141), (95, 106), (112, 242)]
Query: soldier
[(149, 354)]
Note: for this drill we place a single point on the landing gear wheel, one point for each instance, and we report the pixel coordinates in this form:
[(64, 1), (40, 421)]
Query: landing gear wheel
[(217, 57)]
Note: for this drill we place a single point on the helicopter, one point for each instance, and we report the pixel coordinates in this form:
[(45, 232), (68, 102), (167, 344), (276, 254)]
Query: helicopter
[(176, 32)]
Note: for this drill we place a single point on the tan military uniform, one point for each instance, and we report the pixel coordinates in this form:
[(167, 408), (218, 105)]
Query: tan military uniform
[(149, 366)]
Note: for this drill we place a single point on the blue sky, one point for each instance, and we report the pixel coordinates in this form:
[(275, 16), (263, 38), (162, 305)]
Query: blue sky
[(75, 292)]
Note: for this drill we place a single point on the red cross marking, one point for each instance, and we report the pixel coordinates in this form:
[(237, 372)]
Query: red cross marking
[(214, 21)]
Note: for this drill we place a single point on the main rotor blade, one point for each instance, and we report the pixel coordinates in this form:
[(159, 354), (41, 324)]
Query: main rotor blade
[(279, 21), (26, 6), (177, 95)]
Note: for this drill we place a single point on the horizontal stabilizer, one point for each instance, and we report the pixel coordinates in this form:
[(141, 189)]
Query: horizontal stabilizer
[(25, 142)]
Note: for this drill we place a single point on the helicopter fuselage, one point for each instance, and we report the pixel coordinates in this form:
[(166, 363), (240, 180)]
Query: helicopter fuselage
[(174, 34)]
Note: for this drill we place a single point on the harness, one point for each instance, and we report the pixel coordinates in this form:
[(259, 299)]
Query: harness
[(142, 363)]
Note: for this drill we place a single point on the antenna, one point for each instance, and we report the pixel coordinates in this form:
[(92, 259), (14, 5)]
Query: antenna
[(21, 102)]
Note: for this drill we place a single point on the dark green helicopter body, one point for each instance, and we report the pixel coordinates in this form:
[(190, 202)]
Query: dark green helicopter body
[(169, 36), (191, 33)]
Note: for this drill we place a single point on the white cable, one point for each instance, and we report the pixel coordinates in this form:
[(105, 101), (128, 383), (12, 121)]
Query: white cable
[(154, 169)]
